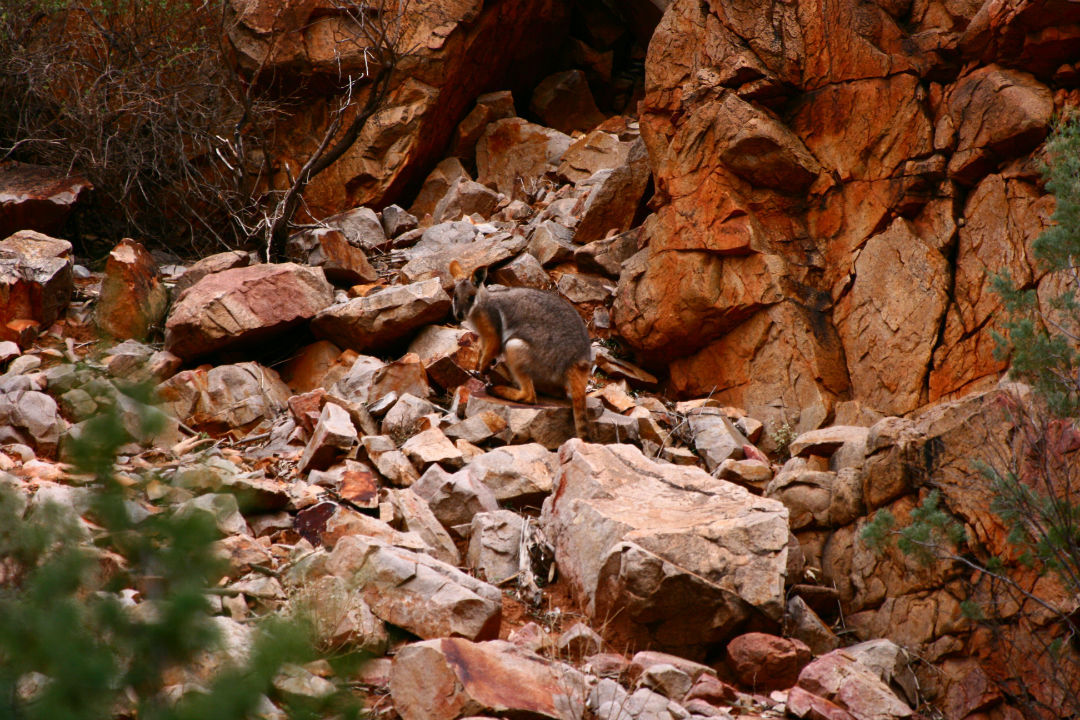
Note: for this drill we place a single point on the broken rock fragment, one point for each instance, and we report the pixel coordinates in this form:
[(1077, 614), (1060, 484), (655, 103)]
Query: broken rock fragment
[(133, 300), (35, 281), (416, 592)]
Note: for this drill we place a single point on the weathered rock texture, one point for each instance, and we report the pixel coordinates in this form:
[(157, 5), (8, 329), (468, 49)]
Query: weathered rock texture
[(831, 187), (453, 52), (244, 305), (891, 595), (35, 281), (671, 556)]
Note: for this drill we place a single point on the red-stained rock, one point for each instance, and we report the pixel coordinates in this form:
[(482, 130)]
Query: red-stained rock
[(614, 197), (676, 302), (766, 662), (1036, 35), (803, 704), (489, 108), (843, 680), (438, 181), (889, 320), (244, 305), (451, 678), (455, 51), (307, 369), (841, 132), (513, 155), (563, 101), (35, 283), (605, 148), (784, 352), (992, 114), (1002, 218), (328, 248), (208, 265), (133, 300), (37, 198)]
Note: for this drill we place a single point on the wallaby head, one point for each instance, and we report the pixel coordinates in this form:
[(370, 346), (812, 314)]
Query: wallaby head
[(465, 289)]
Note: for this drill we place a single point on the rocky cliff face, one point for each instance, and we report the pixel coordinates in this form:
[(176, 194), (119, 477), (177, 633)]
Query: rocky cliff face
[(451, 52), (836, 182)]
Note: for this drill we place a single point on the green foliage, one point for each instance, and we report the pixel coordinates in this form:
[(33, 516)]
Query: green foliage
[(1043, 339), (931, 529), (70, 648)]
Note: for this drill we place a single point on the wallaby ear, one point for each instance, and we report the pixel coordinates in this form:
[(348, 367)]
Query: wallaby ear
[(456, 271), (479, 276)]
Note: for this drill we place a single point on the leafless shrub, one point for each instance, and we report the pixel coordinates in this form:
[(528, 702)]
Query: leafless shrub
[(148, 102)]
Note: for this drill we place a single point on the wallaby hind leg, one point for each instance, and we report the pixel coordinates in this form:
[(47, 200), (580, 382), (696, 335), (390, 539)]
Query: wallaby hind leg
[(516, 354), (577, 380)]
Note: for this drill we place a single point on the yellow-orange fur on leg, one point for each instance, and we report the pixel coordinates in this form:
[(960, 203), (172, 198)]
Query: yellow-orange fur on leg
[(490, 345), (577, 380)]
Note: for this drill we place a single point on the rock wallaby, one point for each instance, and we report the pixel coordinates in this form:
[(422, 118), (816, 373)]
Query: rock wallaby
[(541, 337)]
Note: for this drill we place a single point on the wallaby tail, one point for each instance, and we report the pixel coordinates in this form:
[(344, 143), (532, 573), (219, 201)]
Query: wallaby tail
[(577, 379)]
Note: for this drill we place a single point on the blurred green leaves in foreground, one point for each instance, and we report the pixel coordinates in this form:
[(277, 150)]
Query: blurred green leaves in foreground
[(74, 644)]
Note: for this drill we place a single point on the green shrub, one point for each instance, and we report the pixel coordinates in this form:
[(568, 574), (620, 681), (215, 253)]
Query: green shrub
[(71, 648)]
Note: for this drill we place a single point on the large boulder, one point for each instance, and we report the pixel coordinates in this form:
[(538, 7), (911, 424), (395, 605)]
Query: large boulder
[(243, 306), (670, 555)]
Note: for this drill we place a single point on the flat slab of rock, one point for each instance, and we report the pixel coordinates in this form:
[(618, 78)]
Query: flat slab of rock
[(828, 440), (416, 592), (209, 265), (675, 557), (244, 305), (450, 678), (38, 198), (35, 279), (382, 317)]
